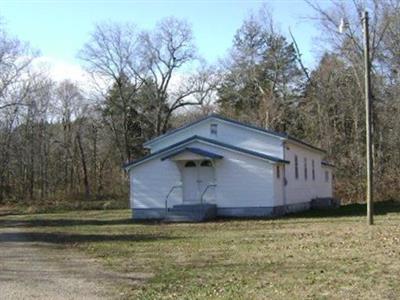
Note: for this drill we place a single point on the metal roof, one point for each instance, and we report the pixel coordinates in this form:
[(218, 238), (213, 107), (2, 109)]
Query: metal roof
[(327, 164), (282, 135), (181, 145)]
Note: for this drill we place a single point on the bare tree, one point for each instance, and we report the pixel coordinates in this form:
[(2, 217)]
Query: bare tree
[(165, 50), (144, 79), (15, 59), (111, 58), (345, 89), (68, 103)]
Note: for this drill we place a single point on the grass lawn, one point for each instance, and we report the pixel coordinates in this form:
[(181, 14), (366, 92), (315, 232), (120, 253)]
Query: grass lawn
[(323, 255)]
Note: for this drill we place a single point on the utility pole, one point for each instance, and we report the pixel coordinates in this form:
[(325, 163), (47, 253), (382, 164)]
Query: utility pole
[(368, 120), (344, 25)]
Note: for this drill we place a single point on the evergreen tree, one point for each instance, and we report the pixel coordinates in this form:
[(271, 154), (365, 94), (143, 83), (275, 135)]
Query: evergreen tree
[(262, 82)]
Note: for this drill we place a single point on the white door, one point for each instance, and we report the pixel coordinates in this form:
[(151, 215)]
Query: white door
[(190, 186), (206, 177)]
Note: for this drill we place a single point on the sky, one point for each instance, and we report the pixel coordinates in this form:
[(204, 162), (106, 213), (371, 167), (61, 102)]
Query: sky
[(59, 28)]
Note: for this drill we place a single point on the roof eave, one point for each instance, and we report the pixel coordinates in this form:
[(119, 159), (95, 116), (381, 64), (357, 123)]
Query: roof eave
[(327, 164), (304, 144), (161, 137), (220, 118), (266, 157), (200, 152)]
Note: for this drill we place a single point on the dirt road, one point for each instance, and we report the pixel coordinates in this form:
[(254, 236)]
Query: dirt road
[(37, 270)]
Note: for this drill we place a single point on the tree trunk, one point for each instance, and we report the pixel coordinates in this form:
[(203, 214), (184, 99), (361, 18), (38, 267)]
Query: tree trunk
[(84, 166)]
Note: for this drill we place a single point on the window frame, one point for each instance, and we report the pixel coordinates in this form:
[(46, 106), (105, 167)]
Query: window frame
[(305, 169), (190, 164), (296, 167), (214, 129), (206, 163), (313, 169)]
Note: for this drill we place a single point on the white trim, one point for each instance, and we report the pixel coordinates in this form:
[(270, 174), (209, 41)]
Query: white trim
[(166, 135), (254, 129), (206, 143), (298, 144), (326, 166), (240, 152), (213, 118)]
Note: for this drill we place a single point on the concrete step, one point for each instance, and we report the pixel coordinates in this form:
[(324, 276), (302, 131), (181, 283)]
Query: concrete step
[(172, 218), (191, 213), (194, 207)]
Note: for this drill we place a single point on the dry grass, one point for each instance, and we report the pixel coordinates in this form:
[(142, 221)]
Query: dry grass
[(316, 255)]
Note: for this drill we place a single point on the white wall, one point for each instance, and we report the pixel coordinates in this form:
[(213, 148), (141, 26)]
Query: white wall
[(151, 181), (326, 188), (200, 129), (302, 190), (278, 184), (227, 133), (242, 181)]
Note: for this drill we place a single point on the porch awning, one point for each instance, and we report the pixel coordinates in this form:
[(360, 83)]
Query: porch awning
[(196, 151)]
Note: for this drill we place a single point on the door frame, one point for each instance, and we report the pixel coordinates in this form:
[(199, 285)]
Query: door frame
[(197, 178)]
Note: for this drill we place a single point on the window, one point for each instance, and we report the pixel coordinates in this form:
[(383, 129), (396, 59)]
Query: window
[(305, 168), (278, 175), (326, 176), (214, 129), (296, 167), (313, 169), (190, 164), (206, 163)]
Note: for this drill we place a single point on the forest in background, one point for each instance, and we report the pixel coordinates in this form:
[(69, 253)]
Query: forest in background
[(64, 141)]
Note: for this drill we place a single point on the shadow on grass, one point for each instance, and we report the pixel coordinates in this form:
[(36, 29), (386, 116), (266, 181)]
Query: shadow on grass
[(64, 238), (351, 210), (64, 222)]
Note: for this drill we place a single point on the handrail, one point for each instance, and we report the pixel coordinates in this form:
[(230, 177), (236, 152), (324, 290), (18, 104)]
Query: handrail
[(205, 190), (169, 193)]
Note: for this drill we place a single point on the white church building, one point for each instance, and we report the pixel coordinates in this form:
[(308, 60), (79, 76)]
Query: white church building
[(221, 167)]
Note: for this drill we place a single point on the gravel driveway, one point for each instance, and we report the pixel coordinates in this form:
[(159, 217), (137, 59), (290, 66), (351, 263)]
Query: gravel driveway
[(38, 270)]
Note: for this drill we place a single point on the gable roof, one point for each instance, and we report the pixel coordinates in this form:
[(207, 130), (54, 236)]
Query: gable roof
[(197, 151), (327, 164), (282, 135), (181, 145)]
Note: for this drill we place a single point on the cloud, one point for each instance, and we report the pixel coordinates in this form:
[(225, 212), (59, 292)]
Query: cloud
[(60, 70)]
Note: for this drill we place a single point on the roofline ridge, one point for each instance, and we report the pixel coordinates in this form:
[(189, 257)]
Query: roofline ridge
[(211, 141), (284, 135), (220, 117)]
